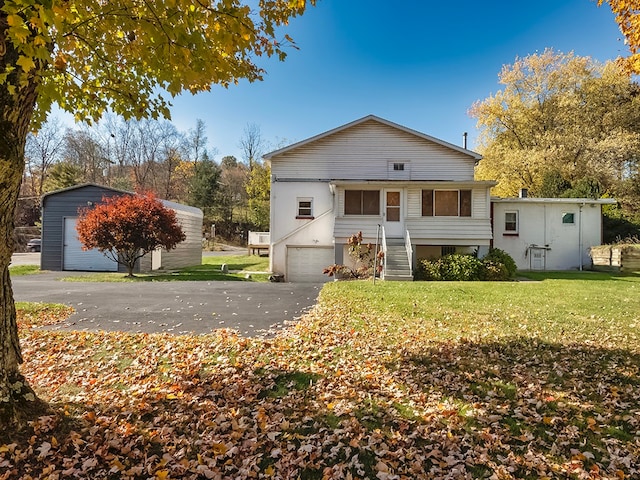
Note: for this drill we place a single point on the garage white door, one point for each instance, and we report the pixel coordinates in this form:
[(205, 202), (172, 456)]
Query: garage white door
[(305, 264), (74, 258)]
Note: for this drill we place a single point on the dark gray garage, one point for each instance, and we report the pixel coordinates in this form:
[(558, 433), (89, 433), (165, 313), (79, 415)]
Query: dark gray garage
[(61, 249)]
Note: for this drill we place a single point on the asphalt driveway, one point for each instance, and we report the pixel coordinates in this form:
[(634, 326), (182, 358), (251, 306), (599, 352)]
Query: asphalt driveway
[(253, 309)]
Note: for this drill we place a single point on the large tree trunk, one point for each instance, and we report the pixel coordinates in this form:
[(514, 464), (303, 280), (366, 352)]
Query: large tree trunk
[(17, 400)]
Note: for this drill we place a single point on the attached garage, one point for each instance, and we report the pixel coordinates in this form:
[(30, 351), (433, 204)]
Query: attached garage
[(61, 249), (305, 264)]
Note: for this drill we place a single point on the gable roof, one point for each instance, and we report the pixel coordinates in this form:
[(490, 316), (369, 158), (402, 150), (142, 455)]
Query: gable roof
[(166, 203), (474, 155), (85, 185)]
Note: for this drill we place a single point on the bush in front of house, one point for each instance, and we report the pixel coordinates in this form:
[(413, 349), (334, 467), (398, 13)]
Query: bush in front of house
[(500, 256), (496, 266), (454, 267), (494, 271)]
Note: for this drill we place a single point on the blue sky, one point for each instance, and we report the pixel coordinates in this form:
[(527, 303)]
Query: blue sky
[(419, 63)]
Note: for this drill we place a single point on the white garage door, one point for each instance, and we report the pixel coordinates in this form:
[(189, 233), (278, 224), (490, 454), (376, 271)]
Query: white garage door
[(74, 258), (305, 264)]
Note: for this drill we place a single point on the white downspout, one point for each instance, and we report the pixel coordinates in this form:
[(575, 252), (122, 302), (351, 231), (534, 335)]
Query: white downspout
[(544, 235), (580, 234), (272, 198)]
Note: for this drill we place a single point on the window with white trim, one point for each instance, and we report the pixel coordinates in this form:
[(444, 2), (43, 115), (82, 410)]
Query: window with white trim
[(511, 222), (305, 207)]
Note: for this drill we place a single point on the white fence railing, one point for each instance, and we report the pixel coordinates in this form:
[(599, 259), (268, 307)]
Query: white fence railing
[(407, 244), (259, 238)]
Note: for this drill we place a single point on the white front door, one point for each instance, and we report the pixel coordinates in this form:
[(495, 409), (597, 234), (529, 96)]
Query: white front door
[(393, 214)]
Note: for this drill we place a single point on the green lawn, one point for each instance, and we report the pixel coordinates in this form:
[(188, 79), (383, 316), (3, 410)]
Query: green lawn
[(554, 307), (506, 380), (239, 266), (18, 270)]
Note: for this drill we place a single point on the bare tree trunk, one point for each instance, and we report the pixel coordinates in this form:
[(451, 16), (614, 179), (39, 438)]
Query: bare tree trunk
[(17, 400)]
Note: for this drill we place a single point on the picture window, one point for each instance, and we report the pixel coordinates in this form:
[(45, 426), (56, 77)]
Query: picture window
[(446, 203), (362, 202)]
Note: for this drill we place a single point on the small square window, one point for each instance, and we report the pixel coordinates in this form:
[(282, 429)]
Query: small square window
[(305, 208), (568, 218), (511, 223), (398, 167)]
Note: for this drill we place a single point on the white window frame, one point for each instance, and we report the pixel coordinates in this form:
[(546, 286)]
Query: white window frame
[(516, 230), (300, 208)]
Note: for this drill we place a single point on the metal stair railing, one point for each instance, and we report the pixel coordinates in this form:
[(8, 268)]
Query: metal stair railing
[(407, 244)]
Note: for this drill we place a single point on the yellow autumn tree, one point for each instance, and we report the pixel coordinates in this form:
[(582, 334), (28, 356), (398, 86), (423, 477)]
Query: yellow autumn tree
[(559, 114), (627, 14), (124, 56)]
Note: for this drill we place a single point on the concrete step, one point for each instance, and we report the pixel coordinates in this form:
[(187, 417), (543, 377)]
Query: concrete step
[(398, 265), (403, 259), (396, 261), (397, 271), (398, 278), (394, 241)]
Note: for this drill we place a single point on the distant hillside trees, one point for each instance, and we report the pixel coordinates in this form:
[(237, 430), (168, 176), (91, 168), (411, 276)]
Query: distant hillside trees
[(152, 155)]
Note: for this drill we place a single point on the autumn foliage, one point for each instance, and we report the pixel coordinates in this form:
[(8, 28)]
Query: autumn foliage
[(392, 381), (128, 227), (628, 19)]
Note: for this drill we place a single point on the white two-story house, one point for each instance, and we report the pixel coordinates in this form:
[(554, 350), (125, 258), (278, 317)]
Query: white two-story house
[(412, 193)]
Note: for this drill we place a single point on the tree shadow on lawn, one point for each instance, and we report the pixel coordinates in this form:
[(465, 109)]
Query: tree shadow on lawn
[(575, 275), (573, 404), (523, 408), (221, 424)]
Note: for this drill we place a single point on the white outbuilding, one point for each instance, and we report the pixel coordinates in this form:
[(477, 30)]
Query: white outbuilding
[(548, 233)]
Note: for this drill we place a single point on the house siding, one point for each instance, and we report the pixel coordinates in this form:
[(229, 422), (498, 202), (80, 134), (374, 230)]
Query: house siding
[(365, 151), (361, 156), (449, 231), (287, 230)]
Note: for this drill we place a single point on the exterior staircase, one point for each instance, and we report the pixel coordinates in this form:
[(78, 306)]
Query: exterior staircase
[(397, 262)]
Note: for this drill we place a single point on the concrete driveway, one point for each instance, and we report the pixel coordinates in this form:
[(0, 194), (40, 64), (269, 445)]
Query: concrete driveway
[(253, 309)]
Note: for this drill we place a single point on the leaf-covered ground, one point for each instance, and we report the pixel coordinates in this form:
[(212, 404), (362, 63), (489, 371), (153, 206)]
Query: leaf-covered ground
[(386, 381)]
